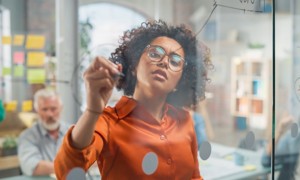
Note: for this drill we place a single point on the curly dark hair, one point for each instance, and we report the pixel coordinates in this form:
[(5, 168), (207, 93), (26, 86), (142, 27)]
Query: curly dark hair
[(191, 87)]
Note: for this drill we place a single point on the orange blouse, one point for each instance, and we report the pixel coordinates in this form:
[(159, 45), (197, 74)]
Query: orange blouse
[(125, 134)]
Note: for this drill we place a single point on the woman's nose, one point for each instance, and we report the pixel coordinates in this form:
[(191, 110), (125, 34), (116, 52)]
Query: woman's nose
[(164, 62)]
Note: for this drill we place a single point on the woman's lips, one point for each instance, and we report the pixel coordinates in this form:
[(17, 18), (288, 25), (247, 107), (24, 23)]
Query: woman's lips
[(160, 74)]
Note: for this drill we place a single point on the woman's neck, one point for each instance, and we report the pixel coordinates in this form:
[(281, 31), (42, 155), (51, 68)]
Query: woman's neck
[(153, 104)]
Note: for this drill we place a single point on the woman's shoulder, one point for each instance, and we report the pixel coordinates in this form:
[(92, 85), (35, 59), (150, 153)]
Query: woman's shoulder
[(179, 113)]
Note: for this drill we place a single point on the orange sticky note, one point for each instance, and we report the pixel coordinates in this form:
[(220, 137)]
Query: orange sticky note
[(27, 106), (11, 106), (19, 40), (36, 76), (35, 59), (19, 57), (35, 42), (6, 40)]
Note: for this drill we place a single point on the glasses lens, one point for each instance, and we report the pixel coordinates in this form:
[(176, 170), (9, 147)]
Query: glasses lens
[(176, 62), (156, 53)]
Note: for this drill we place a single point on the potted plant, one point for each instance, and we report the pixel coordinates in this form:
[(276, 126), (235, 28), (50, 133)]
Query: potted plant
[(9, 146)]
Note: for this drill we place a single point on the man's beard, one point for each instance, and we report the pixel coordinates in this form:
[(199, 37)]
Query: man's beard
[(51, 126)]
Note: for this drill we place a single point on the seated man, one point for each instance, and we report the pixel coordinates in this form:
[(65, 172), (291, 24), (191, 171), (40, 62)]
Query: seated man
[(286, 150), (37, 145)]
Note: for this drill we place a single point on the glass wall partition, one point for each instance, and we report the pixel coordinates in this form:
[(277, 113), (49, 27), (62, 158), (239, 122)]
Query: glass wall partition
[(234, 124)]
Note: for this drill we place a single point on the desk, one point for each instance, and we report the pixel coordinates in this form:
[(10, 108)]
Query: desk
[(220, 165), (29, 178), (217, 167), (9, 166), (45, 178), (9, 162)]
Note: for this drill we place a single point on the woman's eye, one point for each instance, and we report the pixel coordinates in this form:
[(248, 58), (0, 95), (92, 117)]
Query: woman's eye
[(154, 55), (176, 61)]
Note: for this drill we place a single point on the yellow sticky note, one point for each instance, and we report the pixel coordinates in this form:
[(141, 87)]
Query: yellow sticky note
[(228, 157), (35, 42), (36, 76), (35, 59), (6, 71), (249, 167), (11, 106), (19, 40), (27, 106), (18, 71), (6, 40)]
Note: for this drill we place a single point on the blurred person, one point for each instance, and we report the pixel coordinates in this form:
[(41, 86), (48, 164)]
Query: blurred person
[(199, 125), (156, 66), (287, 147), (202, 124), (38, 145)]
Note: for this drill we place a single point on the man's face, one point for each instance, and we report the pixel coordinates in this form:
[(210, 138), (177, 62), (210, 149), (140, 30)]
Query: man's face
[(49, 111)]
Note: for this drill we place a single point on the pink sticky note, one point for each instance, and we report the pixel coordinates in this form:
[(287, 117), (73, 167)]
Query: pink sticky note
[(18, 57)]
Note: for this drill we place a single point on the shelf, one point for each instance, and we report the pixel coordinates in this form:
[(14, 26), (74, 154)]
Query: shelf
[(257, 106), (257, 87), (242, 105), (255, 97), (257, 69), (249, 82), (240, 114)]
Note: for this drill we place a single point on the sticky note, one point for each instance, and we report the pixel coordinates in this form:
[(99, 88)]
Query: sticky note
[(19, 40), (27, 106), (35, 42), (36, 76), (11, 106), (18, 71), (6, 40), (35, 59), (229, 157), (249, 167), (19, 57), (6, 71)]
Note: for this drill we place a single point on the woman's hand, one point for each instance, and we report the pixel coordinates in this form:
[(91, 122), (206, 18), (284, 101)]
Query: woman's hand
[(100, 78)]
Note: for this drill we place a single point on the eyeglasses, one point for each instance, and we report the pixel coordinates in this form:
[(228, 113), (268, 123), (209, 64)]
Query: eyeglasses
[(157, 53)]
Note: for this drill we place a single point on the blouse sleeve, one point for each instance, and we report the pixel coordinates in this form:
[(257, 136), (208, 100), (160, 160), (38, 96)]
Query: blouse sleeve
[(68, 157)]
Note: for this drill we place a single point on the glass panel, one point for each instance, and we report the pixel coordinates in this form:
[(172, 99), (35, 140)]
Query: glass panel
[(139, 134), (239, 34), (287, 92)]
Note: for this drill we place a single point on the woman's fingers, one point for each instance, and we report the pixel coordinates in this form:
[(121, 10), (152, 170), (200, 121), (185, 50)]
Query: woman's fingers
[(106, 64), (102, 63), (101, 73), (101, 84)]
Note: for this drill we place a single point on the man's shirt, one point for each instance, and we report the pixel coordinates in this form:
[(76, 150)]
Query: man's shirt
[(35, 144)]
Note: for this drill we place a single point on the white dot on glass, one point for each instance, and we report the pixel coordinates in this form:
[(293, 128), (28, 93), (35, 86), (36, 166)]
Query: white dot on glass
[(76, 174), (294, 129), (150, 163), (249, 141), (205, 150)]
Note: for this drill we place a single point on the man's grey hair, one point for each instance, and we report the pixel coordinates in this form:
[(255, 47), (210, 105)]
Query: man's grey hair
[(44, 93)]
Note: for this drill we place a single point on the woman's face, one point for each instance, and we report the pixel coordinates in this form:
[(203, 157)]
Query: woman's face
[(158, 76)]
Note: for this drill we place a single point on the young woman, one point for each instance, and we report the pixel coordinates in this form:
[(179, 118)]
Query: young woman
[(162, 74)]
